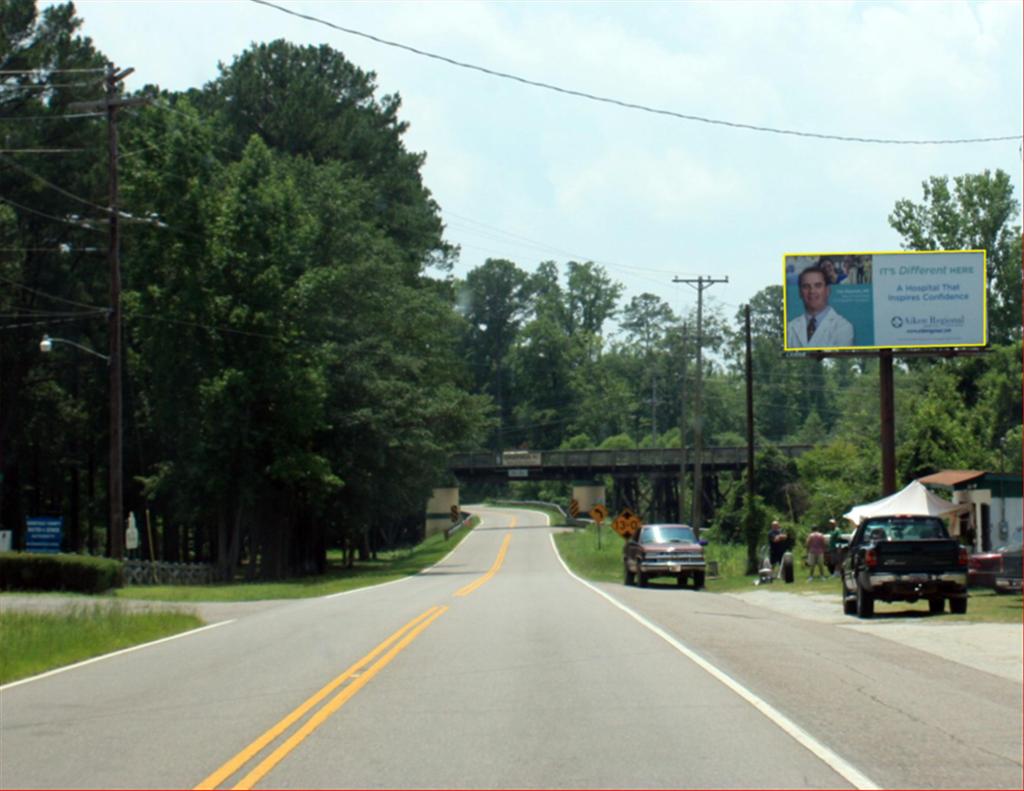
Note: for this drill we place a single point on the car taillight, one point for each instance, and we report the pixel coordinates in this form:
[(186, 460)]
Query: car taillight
[(963, 556), (871, 558)]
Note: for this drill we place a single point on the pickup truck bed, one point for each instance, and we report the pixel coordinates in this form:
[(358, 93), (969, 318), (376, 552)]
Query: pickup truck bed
[(904, 559)]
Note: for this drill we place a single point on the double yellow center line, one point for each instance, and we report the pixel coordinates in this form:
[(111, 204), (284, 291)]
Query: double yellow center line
[(358, 678), (349, 682), (468, 589)]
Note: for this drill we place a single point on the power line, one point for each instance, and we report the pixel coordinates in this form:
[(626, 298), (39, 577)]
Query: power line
[(631, 105), (51, 185), (48, 86), (44, 71), (41, 150), (78, 223), (55, 298), (58, 117)]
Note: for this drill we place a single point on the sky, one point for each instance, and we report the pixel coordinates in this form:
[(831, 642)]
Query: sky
[(531, 174)]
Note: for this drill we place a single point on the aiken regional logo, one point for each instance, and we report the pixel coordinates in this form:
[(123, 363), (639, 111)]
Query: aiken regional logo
[(896, 322)]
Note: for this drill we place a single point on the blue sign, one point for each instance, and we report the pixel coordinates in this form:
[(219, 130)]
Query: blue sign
[(44, 533)]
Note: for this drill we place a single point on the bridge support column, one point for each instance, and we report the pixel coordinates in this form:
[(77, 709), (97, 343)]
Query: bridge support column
[(439, 510), (626, 494), (587, 494), (664, 498)]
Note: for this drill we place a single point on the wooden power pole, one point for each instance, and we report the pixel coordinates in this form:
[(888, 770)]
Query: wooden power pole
[(700, 283), (111, 103)]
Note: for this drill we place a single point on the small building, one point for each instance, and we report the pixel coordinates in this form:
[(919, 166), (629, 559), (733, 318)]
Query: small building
[(997, 505)]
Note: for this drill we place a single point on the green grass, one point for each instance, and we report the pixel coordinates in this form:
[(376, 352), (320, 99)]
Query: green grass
[(36, 642), (580, 551), (388, 566)]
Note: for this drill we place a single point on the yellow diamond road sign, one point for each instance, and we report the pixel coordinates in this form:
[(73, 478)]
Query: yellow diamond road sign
[(599, 513), (624, 523)]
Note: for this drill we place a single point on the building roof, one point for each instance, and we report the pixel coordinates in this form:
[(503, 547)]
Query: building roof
[(951, 478)]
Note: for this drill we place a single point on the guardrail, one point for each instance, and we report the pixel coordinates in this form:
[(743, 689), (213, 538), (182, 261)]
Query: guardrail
[(463, 518)]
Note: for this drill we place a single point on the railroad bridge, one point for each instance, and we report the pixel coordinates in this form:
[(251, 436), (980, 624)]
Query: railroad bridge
[(645, 480)]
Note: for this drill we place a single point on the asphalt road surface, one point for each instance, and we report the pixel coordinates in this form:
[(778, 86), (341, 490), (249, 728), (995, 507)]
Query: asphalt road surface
[(499, 669)]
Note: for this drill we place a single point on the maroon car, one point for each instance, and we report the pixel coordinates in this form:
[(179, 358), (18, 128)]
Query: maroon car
[(999, 569), (664, 551)]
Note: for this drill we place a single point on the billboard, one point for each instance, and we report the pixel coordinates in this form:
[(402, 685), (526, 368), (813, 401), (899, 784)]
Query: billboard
[(889, 300)]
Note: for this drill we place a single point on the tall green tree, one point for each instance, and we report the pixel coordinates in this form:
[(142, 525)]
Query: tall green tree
[(311, 101), (51, 276), (977, 212)]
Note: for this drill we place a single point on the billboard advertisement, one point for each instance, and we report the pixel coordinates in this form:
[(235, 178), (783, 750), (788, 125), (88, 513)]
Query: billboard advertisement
[(890, 300)]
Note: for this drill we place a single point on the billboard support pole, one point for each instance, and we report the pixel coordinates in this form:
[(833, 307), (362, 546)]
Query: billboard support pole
[(888, 421)]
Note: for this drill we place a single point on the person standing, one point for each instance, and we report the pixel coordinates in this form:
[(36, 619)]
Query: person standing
[(835, 548), (816, 545), (777, 540)]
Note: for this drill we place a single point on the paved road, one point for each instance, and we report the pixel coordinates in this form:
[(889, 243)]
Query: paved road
[(497, 668)]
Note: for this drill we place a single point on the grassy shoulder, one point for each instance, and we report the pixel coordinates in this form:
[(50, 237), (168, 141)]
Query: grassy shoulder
[(36, 642), (599, 559), (387, 567)]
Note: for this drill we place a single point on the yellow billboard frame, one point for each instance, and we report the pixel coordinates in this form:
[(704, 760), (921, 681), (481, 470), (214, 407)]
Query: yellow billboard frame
[(825, 349)]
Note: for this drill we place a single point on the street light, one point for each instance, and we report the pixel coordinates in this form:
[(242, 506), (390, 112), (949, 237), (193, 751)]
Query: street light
[(116, 508), (46, 346)]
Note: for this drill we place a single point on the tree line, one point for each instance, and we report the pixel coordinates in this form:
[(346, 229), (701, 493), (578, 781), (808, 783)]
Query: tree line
[(300, 359)]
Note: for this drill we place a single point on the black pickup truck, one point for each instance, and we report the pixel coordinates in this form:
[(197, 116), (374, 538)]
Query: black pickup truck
[(904, 558)]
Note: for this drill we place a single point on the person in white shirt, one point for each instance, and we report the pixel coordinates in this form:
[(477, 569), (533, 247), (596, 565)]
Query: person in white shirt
[(820, 326)]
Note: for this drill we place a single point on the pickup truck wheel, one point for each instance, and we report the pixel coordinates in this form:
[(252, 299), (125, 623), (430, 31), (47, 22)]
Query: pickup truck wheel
[(629, 576), (849, 605), (936, 605), (958, 606), (698, 580), (681, 581), (865, 603), (641, 579)]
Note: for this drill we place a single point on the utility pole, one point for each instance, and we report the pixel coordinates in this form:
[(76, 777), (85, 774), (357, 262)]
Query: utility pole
[(700, 283), (116, 492), (750, 404), (682, 429), (654, 412), (111, 103)]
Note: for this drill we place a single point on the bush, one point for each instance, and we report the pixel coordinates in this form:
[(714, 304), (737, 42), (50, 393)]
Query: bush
[(24, 571)]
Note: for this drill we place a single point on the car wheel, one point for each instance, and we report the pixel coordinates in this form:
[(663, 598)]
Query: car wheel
[(681, 581), (698, 579), (958, 606), (936, 605), (641, 579), (865, 603), (629, 576), (787, 568), (849, 605)]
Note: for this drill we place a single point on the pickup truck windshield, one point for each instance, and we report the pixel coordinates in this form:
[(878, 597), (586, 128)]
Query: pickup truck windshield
[(904, 528), (653, 534)]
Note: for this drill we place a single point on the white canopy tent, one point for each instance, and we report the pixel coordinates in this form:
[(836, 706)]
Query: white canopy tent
[(912, 500)]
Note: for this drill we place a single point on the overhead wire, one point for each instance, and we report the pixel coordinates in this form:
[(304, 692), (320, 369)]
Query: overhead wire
[(78, 222), (55, 117), (627, 104), (43, 71)]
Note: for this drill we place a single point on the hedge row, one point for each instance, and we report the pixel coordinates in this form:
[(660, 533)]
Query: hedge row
[(25, 571)]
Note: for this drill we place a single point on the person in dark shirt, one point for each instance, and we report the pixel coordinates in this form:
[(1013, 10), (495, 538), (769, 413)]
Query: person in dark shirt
[(778, 542)]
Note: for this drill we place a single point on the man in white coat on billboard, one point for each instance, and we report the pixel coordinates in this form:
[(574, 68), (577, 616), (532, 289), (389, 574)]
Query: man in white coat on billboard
[(819, 326)]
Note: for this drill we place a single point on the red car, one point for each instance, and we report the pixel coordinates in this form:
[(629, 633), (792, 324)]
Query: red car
[(984, 568), (664, 551)]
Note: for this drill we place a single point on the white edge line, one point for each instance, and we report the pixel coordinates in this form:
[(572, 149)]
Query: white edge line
[(100, 658), (850, 773)]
